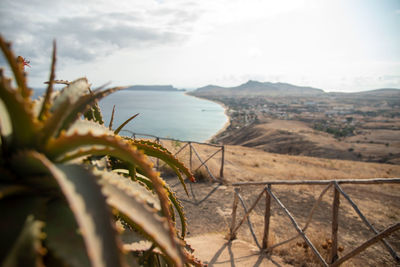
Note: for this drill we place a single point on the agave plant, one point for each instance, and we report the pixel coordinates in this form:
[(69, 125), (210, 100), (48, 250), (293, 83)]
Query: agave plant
[(75, 193)]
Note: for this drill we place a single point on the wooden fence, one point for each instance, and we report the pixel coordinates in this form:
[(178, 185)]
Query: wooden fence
[(192, 152), (333, 259)]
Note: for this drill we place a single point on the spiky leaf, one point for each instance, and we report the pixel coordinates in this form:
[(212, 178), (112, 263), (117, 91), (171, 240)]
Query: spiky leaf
[(172, 198), (63, 238), (14, 213), (44, 111), (20, 115), (132, 188), (5, 123), (89, 207), (153, 149), (125, 123), (16, 68), (27, 249), (83, 127), (154, 226), (112, 118), (68, 112), (115, 147), (72, 92)]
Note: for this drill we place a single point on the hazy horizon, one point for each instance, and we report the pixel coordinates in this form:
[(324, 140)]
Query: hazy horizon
[(332, 45)]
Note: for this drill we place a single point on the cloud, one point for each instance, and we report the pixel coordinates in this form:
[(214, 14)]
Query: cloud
[(84, 38), (84, 32)]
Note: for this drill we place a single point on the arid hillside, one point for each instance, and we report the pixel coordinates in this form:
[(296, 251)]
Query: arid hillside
[(298, 138)]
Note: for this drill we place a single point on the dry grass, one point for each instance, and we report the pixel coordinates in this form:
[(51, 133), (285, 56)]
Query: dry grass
[(281, 167), (298, 253)]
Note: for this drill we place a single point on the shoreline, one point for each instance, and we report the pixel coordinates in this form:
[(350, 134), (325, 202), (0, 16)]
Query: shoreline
[(226, 109)]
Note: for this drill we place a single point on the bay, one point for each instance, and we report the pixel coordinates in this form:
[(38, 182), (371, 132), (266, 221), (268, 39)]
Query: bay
[(171, 114)]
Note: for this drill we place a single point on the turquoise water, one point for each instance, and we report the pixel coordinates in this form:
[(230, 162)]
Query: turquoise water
[(164, 114)]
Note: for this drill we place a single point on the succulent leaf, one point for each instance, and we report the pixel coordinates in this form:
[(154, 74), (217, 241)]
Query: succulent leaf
[(17, 68), (178, 206), (112, 118), (73, 92), (153, 150), (44, 112), (133, 241), (14, 214), (173, 200), (125, 123), (83, 104), (152, 225), (63, 238), (83, 127), (132, 188), (5, 123), (7, 190), (178, 173), (28, 247), (94, 113), (98, 117), (20, 115), (54, 122), (68, 112), (89, 207), (116, 147)]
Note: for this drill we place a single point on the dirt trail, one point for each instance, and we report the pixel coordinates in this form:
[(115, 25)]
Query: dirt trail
[(215, 250)]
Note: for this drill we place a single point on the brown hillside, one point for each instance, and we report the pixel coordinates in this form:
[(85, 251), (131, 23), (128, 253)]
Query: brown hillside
[(298, 138)]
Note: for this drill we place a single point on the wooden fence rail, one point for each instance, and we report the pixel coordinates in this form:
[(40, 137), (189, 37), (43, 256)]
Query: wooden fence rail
[(192, 151), (333, 258)]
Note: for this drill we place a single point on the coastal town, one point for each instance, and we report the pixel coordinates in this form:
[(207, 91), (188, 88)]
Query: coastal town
[(363, 123)]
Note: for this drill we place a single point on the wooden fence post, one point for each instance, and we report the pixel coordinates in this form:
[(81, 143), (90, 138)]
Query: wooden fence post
[(221, 171), (232, 233), (190, 156), (335, 225), (158, 160), (266, 218)]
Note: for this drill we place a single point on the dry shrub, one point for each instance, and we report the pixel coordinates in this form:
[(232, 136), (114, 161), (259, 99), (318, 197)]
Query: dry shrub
[(166, 170), (298, 253), (202, 175)]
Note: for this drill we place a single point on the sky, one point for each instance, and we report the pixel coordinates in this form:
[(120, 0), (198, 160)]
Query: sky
[(335, 45)]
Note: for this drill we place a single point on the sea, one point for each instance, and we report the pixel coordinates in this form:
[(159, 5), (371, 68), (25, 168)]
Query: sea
[(168, 114)]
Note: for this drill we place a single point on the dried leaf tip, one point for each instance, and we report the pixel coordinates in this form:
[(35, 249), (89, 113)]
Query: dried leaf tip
[(23, 62)]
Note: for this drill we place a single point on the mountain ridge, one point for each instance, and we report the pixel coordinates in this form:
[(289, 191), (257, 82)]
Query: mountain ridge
[(252, 87), (258, 88), (153, 88)]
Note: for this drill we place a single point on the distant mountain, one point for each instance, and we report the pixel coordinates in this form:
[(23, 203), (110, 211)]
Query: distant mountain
[(153, 88), (258, 88), (382, 93)]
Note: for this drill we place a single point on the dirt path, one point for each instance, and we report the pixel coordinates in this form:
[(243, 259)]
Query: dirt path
[(215, 250)]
